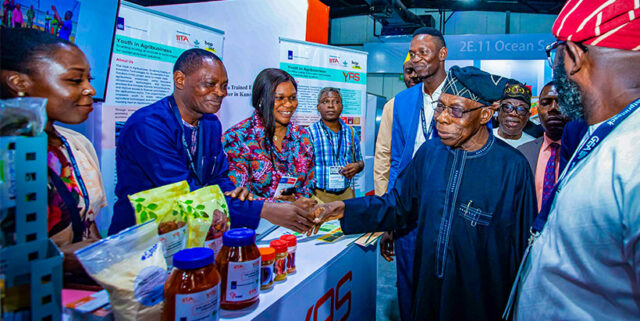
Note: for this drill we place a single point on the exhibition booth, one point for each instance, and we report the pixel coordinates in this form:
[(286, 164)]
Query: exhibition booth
[(132, 51)]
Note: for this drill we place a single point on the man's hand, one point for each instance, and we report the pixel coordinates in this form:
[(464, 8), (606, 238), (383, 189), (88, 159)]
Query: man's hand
[(306, 204), (287, 215), (351, 169), (326, 212), (386, 246), (286, 198), (241, 193)]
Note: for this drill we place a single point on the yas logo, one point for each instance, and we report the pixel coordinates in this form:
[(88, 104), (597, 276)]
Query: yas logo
[(351, 76), (335, 300)]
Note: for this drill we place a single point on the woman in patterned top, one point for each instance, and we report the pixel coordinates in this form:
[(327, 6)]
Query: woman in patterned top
[(38, 64), (267, 148)]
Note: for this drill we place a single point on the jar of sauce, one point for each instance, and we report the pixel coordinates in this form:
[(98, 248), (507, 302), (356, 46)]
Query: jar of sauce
[(266, 271), (239, 266), (192, 291), (292, 242), (280, 268)]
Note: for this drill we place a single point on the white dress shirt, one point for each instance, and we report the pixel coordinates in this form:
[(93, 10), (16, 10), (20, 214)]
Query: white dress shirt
[(525, 138), (427, 108)]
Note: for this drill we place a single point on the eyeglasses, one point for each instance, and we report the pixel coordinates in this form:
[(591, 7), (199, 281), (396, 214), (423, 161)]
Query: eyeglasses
[(455, 111), (521, 111), (550, 49)]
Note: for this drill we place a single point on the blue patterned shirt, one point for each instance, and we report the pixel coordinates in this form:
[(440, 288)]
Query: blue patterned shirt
[(333, 149)]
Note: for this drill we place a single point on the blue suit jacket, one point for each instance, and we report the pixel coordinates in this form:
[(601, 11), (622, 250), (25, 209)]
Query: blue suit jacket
[(150, 154), (407, 106), (571, 137)]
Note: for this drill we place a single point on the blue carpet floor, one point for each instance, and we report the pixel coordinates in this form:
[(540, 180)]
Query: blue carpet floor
[(387, 293)]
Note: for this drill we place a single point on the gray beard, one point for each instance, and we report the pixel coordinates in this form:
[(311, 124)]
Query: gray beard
[(569, 95)]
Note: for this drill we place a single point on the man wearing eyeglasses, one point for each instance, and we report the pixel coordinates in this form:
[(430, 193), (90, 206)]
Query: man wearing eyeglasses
[(584, 263), (472, 198), (336, 147), (513, 115), (412, 126)]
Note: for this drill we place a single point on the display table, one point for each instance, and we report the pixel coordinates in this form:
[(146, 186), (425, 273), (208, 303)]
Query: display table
[(334, 281)]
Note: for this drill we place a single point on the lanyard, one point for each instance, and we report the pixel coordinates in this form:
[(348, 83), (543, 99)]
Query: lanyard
[(585, 149), (76, 171), (423, 120), (195, 167), (334, 152)]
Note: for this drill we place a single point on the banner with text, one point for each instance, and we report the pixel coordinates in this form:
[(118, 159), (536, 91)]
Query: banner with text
[(316, 66), (147, 44)]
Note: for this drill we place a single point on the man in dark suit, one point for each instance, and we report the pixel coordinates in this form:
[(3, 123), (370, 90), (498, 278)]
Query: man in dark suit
[(543, 153), (571, 137)]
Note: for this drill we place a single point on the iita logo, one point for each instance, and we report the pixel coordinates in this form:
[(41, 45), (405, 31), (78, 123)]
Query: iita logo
[(196, 43), (182, 39)]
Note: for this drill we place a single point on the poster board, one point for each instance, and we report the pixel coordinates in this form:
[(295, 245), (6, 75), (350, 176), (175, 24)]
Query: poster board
[(315, 66)]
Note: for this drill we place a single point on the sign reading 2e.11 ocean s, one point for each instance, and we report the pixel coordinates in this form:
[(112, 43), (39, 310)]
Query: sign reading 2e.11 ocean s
[(517, 46)]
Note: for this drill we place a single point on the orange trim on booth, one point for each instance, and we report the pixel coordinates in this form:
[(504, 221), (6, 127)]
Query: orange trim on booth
[(317, 22)]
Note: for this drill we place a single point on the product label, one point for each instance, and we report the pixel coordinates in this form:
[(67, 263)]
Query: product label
[(291, 260), (281, 266), (243, 281), (215, 245), (266, 272), (148, 287), (172, 243), (200, 306)]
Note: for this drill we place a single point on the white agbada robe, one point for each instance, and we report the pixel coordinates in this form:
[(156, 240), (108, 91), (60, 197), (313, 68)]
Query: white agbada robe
[(585, 265)]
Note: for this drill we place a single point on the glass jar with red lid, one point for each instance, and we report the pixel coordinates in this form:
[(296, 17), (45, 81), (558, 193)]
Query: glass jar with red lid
[(292, 242), (280, 268)]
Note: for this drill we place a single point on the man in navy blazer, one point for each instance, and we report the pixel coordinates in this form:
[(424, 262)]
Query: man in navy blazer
[(413, 125)]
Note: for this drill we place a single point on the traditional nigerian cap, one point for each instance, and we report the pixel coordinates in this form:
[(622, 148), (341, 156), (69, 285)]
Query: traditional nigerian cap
[(516, 90), (475, 84), (407, 59), (604, 23)]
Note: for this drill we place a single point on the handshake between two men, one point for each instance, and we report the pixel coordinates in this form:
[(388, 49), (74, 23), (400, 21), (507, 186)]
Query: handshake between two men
[(302, 215), (308, 215)]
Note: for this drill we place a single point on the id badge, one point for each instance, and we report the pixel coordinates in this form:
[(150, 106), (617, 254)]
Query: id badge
[(284, 183), (336, 180)]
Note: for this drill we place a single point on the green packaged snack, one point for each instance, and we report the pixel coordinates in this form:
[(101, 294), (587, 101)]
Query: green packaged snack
[(207, 217), (160, 204)]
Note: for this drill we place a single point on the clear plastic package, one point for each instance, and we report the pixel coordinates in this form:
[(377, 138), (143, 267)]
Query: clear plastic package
[(23, 116)]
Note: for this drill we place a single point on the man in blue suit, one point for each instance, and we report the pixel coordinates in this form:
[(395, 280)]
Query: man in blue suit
[(413, 125), (179, 138)]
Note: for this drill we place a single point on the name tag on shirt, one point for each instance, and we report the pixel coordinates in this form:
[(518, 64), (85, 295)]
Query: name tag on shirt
[(336, 180), (284, 183)]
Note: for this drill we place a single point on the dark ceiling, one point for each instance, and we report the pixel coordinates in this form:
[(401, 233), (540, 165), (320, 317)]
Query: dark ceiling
[(345, 8)]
